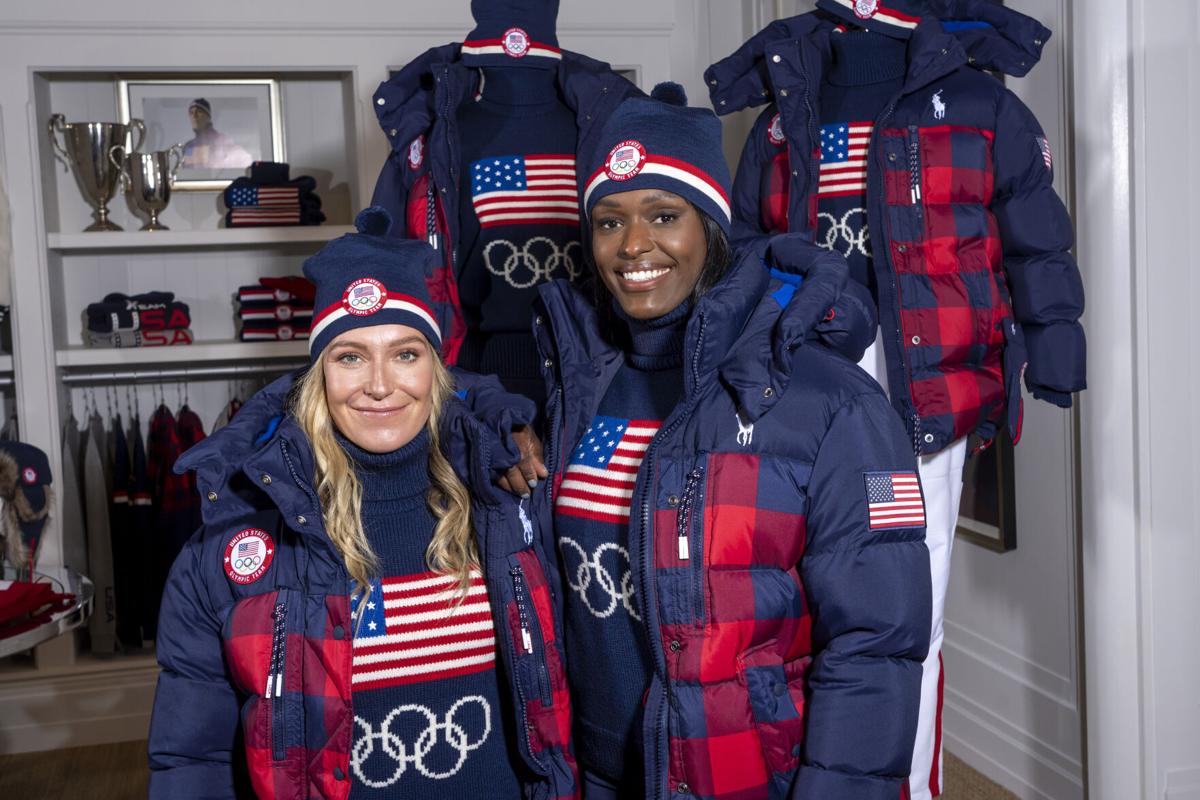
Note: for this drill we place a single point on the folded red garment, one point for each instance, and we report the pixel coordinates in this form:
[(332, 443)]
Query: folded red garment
[(300, 288), (281, 312), (273, 332), (25, 605)]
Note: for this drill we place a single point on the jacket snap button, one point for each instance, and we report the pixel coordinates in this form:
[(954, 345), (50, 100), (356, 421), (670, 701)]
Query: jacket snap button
[(548, 363), (722, 102), (212, 497), (891, 156), (393, 131), (338, 774), (339, 633), (266, 479), (776, 59), (929, 438), (916, 340), (380, 101), (538, 320), (673, 500), (902, 249), (795, 172), (300, 520), (713, 82), (783, 92), (676, 646), (768, 392), (780, 689), (1038, 42), (683, 788)]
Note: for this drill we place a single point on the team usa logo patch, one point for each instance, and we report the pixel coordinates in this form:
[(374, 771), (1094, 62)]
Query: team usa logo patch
[(516, 42), (285, 333), (865, 9), (416, 152), (625, 160), (364, 297), (29, 475), (248, 555), (894, 500), (775, 130)]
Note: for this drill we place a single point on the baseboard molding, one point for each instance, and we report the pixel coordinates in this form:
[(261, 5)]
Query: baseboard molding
[(77, 708), (1018, 761)]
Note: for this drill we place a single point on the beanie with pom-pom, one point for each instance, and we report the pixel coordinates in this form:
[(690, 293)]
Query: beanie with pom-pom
[(370, 278)]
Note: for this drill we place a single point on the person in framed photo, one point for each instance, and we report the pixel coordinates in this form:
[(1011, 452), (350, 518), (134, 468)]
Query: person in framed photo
[(209, 148)]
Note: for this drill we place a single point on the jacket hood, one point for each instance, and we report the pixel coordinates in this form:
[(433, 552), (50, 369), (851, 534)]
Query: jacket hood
[(262, 439), (781, 294), (994, 38)]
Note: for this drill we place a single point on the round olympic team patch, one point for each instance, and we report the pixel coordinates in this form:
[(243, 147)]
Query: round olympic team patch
[(775, 130), (282, 296), (248, 555), (516, 42), (29, 475), (285, 333), (283, 313), (865, 9), (416, 152), (625, 160), (364, 297)]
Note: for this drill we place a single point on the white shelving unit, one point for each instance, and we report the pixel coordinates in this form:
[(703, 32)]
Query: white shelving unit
[(180, 356), (109, 241)]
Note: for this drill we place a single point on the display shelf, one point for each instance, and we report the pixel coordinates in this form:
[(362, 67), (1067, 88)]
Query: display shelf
[(86, 665), (178, 356), (6, 363), (179, 239)]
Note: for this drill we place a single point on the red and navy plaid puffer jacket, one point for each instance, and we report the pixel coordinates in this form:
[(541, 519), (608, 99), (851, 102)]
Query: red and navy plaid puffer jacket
[(970, 244), (218, 640), (787, 644)]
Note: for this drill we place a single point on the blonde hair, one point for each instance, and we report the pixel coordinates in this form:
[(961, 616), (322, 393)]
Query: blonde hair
[(451, 551)]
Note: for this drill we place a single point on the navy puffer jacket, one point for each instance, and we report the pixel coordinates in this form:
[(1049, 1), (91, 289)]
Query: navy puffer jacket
[(787, 639), (970, 244)]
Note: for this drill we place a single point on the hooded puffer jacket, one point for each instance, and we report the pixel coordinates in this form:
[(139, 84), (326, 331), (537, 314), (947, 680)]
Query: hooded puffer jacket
[(417, 109), (970, 244), (219, 638), (786, 614)]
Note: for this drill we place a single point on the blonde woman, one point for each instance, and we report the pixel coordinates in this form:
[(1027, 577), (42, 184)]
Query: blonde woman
[(334, 628)]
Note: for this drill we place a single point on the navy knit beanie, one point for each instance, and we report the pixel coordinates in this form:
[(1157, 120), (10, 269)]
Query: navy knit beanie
[(896, 18), (512, 33), (658, 142), (369, 278)]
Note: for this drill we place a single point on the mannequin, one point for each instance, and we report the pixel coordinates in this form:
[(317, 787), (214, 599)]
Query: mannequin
[(935, 183)]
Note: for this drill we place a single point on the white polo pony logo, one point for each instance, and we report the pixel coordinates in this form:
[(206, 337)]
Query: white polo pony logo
[(939, 107), (745, 432)]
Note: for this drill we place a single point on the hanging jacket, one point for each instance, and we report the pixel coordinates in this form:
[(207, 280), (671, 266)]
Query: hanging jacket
[(417, 109), (786, 629), (219, 640), (970, 244)]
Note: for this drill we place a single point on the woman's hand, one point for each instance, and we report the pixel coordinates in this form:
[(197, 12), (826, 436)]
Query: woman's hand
[(523, 478)]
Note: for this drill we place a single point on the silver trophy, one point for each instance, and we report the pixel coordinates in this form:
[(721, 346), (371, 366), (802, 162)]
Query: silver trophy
[(149, 176), (85, 151)]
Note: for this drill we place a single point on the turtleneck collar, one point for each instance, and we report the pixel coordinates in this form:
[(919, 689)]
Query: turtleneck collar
[(862, 57), (398, 475), (657, 344), (519, 90)]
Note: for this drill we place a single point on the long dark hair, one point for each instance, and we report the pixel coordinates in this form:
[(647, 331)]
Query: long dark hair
[(716, 264)]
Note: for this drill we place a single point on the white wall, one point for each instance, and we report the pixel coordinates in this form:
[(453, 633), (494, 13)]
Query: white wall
[(1013, 671)]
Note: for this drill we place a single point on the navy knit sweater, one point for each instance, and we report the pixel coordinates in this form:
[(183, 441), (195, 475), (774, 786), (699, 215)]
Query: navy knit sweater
[(427, 703), (518, 219), (867, 72), (605, 637)]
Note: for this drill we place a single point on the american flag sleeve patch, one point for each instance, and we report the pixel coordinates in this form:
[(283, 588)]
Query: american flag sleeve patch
[(894, 500)]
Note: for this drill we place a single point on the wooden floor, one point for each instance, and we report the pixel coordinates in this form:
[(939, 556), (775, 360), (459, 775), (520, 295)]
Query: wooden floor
[(118, 772)]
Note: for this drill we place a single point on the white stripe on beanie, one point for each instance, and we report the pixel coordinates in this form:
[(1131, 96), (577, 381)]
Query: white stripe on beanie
[(651, 167), (391, 303)]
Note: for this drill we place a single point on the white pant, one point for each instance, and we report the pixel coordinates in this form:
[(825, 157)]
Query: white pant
[(941, 483)]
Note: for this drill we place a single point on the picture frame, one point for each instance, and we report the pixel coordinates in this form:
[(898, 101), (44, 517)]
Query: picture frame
[(241, 121), (987, 514)]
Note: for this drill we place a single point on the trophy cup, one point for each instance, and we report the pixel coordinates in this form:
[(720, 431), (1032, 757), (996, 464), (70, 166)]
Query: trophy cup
[(149, 176), (85, 152)]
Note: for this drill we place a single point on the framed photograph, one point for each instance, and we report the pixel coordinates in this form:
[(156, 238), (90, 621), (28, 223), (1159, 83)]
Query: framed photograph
[(987, 515), (222, 124)]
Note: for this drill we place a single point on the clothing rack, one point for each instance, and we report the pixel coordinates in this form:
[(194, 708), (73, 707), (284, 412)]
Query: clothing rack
[(184, 375)]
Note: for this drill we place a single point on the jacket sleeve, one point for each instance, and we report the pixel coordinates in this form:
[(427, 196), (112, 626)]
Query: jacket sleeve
[(870, 600), (1036, 235), (747, 201), (391, 192), (194, 724), (490, 402)]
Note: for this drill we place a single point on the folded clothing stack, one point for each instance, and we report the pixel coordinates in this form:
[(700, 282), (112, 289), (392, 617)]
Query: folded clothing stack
[(140, 320), (268, 197), (277, 309)]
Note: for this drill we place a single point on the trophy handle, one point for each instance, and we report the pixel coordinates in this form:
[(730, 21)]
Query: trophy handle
[(140, 127), (58, 124), (126, 181), (177, 151)]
